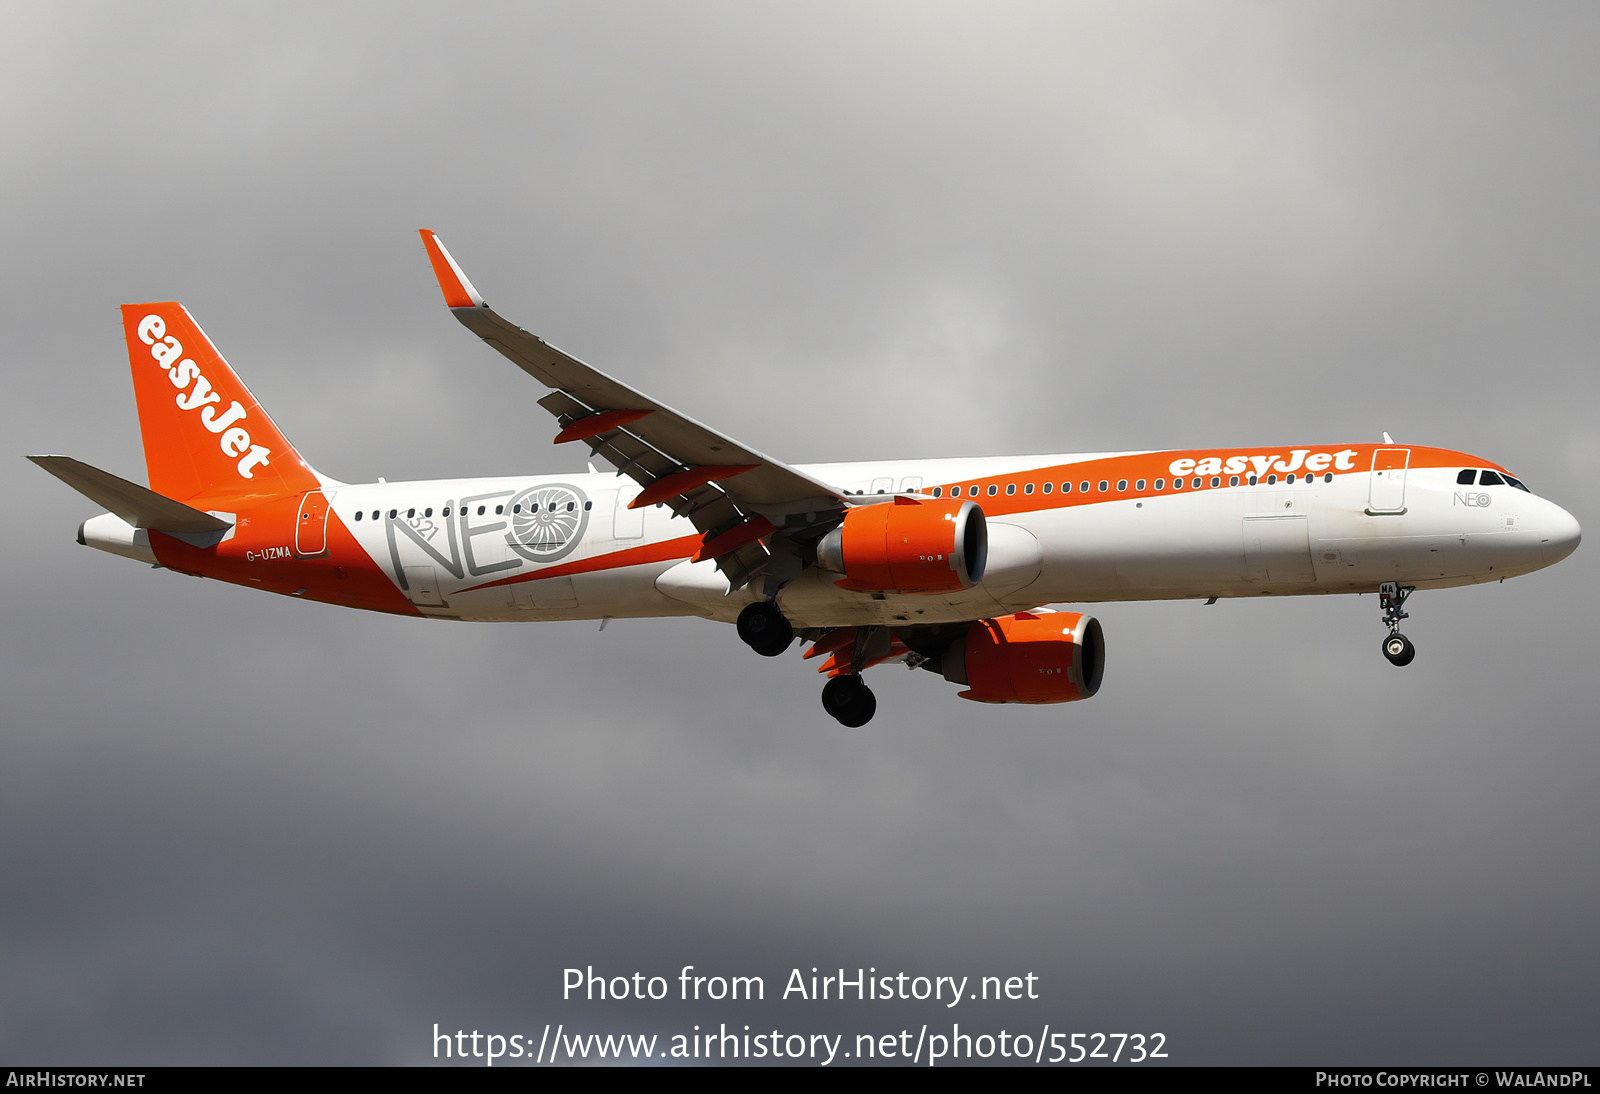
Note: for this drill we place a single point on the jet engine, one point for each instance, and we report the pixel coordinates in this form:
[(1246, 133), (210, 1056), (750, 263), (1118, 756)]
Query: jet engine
[(1044, 657), (908, 545)]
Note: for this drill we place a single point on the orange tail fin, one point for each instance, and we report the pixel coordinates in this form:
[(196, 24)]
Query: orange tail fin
[(204, 433)]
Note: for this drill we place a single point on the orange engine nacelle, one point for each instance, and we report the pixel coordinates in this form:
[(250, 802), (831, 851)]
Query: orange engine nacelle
[(1049, 657), (908, 546)]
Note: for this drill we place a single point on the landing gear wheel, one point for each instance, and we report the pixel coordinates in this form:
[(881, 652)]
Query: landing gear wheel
[(763, 628), (1398, 649), (1392, 599), (849, 701)]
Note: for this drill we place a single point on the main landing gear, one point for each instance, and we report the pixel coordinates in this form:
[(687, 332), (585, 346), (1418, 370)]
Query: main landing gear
[(1392, 598), (845, 696), (764, 629), (848, 699)]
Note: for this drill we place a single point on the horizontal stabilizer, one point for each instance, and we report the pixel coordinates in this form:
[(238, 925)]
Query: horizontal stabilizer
[(139, 506)]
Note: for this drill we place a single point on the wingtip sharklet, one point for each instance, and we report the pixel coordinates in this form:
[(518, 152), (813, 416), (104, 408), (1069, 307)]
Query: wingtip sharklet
[(458, 291)]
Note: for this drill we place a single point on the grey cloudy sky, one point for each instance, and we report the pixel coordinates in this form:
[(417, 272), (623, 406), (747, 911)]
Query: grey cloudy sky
[(237, 828)]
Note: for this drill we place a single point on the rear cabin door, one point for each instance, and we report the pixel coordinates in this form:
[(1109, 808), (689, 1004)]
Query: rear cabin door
[(1387, 493), (311, 527)]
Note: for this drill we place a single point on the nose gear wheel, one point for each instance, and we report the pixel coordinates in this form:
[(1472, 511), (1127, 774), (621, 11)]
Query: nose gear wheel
[(1398, 649)]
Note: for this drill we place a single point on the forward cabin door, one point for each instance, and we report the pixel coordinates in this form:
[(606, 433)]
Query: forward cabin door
[(311, 525), (1387, 493)]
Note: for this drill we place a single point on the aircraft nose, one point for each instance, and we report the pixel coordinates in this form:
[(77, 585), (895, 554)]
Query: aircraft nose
[(1561, 535)]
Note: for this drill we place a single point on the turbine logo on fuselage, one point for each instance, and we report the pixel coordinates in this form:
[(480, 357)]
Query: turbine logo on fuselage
[(547, 521)]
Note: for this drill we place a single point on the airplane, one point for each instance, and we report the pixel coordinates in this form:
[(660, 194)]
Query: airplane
[(948, 565)]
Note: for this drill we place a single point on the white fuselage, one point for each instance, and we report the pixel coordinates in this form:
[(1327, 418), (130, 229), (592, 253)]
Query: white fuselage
[(593, 557)]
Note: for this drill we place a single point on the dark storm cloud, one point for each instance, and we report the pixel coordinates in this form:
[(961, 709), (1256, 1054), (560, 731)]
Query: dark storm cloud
[(238, 828)]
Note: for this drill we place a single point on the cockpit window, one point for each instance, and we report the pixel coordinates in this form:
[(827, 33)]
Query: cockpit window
[(1489, 478), (1518, 484), (1467, 477)]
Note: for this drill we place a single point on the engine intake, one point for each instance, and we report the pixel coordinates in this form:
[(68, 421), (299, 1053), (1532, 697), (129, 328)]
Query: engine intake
[(908, 545), (1044, 657)]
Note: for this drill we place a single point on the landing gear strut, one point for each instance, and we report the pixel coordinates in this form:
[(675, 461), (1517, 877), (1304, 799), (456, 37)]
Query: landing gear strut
[(764, 629), (1392, 598), (848, 699), (845, 696)]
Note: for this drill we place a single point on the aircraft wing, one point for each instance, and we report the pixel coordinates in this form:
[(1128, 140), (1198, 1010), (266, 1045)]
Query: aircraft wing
[(729, 491)]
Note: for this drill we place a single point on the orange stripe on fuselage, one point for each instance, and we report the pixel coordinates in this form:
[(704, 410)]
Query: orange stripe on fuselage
[(1151, 466), (665, 551), (261, 555)]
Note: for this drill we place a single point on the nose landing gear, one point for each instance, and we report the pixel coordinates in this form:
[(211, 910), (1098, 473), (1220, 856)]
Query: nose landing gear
[(1392, 598)]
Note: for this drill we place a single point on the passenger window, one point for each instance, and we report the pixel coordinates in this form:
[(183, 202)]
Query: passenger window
[(1122, 484), (1467, 477), (446, 512), (1011, 488), (1140, 485), (1252, 480), (1177, 484), (499, 510), (1290, 479), (1066, 488), (571, 505), (938, 491), (411, 514), (1234, 481), (358, 514), (516, 508), (993, 489), (1083, 486), (428, 512), (1103, 485), (1489, 478), (392, 514), (1047, 487), (1197, 483), (480, 510), (1028, 489), (1216, 480), (1272, 480), (588, 505), (1161, 484)]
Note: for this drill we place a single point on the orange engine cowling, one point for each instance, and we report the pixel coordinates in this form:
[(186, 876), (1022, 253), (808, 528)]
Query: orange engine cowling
[(908, 545), (1048, 657)]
